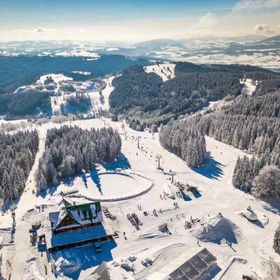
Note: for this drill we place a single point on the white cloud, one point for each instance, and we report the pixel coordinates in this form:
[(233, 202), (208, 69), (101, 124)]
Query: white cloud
[(256, 4), (264, 29), (39, 30), (205, 26), (209, 20), (42, 29), (234, 23)]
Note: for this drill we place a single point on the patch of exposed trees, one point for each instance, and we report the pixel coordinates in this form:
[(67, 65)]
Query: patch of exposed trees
[(276, 240), (25, 104), (78, 103), (70, 150), (17, 153), (184, 140)]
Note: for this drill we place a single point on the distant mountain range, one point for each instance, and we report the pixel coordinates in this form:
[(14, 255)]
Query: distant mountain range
[(254, 50), (251, 49)]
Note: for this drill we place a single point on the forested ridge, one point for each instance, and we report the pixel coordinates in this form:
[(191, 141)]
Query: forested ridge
[(18, 71), (25, 104), (17, 153), (70, 150), (143, 98), (250, 123), (247, 122)]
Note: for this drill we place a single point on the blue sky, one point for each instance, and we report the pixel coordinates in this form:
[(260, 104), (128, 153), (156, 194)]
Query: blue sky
[(134, 20)]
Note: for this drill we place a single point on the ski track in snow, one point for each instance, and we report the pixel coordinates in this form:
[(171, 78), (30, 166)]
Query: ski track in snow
[(96, 103), (166, 70)]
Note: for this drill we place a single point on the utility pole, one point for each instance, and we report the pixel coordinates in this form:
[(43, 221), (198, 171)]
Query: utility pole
[(158, 157)]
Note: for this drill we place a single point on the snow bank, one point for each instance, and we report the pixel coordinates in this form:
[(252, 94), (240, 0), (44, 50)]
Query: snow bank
[(161, 257), (32, 271), (217, 229), (166, 71), (61, 265), (167, 191)]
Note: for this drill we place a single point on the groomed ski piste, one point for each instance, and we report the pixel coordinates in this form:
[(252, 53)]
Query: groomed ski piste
[(164, 70), (209, 218), (249, 86)]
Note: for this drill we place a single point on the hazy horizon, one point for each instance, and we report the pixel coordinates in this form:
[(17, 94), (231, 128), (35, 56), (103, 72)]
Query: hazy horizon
[(135, 21)]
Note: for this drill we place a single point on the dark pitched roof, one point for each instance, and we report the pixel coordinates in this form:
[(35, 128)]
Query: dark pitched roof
[(78, 213), (195, 267)]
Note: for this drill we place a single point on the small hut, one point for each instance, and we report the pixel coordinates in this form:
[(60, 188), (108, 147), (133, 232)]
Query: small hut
[(250, 214)]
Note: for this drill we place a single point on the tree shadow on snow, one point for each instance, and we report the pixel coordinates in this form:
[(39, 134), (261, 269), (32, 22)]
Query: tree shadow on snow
[(95, 178), (122, 163), (53, 188), (196, 193), (211, 169), (258, 223), (272, 205), (186, 197)]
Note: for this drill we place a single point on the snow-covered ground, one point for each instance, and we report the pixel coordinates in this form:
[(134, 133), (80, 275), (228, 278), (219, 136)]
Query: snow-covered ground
[(82, 73), (102, 103), (249, 86), (42, 83), (62, 88), (216, 195), (95, 186), (55, 77), (78, 53), (166, 70)]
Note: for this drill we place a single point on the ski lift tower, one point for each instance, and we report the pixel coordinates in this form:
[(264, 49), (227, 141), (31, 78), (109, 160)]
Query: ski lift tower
[(138, 143), (158, 157), (172, 174)]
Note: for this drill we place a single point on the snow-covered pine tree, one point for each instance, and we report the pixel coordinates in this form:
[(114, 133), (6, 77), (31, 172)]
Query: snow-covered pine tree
[(276, 240), (17, 153), (185, 140), (70, 150), (267, 183)]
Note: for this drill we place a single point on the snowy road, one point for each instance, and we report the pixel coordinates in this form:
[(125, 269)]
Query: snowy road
[(22, 244)]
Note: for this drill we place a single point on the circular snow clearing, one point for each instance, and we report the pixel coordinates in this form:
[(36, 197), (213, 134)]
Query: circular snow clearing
[(119, 186)]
